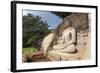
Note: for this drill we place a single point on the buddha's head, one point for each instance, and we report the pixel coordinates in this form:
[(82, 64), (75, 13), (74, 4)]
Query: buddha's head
[(66, 24), (61, 27)]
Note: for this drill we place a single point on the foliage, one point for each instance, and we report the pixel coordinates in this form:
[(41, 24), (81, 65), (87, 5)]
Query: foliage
[(34, 30)]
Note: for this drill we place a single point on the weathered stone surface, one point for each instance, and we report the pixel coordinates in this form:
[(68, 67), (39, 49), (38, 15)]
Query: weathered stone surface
[(37, 56), (80, 22)]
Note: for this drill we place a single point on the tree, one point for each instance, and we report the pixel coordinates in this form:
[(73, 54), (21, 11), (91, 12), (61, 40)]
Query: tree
[(34, 30)]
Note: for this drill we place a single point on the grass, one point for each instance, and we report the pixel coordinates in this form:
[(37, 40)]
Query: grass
[(28, 51)]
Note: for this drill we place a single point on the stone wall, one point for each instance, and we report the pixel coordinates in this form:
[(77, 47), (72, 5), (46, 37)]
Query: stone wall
[(83, 42)]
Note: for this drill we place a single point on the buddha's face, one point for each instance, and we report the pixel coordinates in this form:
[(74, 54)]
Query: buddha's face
[(67, 24), (64, 26)]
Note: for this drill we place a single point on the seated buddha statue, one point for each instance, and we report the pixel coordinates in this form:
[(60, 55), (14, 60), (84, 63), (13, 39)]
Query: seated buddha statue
[(66, 43), (63, 39)]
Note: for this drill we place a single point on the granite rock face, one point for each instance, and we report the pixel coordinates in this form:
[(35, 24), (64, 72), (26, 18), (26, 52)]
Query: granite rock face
[(80, 21)]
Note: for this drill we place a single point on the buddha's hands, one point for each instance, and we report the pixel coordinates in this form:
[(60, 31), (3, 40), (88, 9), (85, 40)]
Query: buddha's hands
[(58, 47)]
